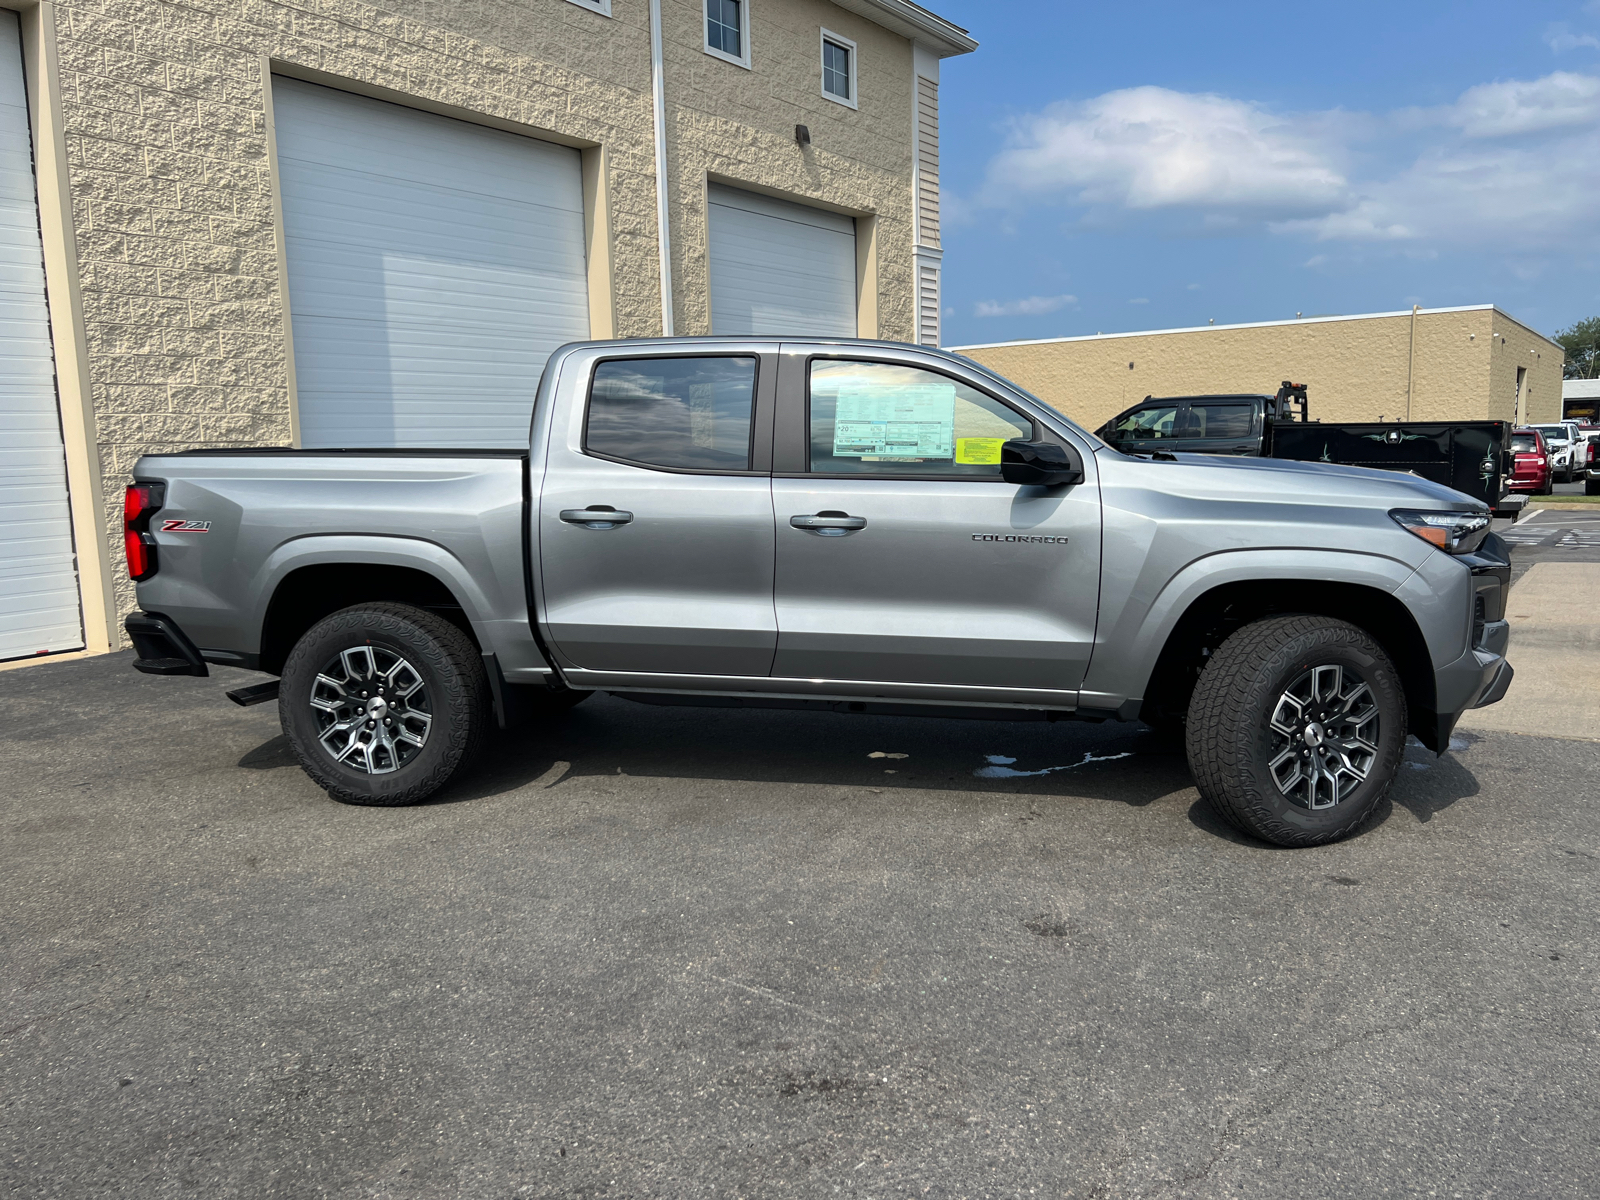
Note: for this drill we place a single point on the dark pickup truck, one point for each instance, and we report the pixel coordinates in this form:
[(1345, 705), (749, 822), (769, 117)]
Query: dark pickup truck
[(1473, 457)]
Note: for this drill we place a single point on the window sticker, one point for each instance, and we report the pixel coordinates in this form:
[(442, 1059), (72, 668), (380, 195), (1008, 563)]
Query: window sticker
[(905, 421), (978, 450)]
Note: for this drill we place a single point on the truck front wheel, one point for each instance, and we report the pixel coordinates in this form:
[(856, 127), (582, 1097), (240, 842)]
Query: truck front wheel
[(1296, 729), (384, 703)]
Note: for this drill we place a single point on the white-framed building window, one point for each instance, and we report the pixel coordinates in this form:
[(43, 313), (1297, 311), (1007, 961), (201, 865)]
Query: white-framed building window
[(728, 31), (838, 68), (603, 7)]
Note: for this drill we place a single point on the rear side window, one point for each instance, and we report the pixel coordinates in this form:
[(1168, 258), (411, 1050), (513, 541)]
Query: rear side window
[(883, 419), (689, 414), (1218, 421)]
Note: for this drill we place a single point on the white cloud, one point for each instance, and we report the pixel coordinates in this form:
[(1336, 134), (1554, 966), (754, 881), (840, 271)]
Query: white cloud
[(1503, 108), (1033, 306), (1510, 165), (1560, 39), (1151, 148), (1140, 300)]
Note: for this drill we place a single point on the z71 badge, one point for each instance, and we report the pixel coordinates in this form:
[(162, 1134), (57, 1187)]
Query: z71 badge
[(176, 526)]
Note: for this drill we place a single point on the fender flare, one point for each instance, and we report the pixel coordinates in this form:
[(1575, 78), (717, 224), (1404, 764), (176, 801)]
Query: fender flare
[(1126, 653), (377, 550)]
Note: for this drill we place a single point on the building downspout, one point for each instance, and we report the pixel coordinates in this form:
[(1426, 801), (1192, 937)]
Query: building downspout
[(658, 89), (1411, 360)]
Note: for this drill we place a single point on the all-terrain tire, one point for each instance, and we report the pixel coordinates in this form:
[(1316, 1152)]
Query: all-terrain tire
[(1231, 743), (454, 688)]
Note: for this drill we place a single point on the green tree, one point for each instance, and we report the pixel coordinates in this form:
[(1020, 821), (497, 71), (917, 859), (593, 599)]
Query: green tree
[(1582, 344)]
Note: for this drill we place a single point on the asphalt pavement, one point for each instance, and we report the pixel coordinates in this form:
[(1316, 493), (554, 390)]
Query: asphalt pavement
[(684, 953), (1552, 535)]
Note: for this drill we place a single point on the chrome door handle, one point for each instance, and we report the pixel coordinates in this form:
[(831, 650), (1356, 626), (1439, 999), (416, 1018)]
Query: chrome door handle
[(828, 523), (596, 516)]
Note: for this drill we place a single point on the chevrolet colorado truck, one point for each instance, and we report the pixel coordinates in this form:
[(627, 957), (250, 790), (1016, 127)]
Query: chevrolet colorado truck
[(847, 525)]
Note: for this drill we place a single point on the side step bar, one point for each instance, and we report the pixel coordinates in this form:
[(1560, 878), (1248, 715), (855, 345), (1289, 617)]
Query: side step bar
[(258, 693)]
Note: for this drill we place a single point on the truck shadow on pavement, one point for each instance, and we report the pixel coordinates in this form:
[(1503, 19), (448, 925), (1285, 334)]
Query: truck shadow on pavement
[(1065, 761)]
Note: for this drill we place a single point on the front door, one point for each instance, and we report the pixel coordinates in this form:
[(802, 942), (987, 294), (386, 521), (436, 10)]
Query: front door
[(903, 557), (655, 520)]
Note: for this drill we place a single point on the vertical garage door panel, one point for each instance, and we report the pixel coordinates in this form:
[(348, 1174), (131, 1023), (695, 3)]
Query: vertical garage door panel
[(38, 577), (780, 268), (433, 266)]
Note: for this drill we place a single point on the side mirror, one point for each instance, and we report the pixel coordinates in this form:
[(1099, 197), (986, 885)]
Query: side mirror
[(1039, 464)]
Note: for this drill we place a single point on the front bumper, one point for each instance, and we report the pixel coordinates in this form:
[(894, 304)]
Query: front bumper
[(1481, 676)]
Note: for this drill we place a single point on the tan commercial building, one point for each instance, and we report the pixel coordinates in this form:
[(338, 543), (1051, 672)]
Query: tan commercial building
[(1429, 364), (329, 223)]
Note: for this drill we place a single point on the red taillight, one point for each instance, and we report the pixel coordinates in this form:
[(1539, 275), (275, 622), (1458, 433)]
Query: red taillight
[(142, 500)]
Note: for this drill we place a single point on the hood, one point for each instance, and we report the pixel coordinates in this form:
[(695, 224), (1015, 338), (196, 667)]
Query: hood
[(1222, 476)]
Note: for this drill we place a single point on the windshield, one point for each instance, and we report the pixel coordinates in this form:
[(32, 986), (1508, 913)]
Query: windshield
[(1553, 433), (1523, 443)]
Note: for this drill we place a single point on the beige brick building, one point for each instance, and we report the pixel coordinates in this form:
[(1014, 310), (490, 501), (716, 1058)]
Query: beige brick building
[(191, 158), (1438, 364)]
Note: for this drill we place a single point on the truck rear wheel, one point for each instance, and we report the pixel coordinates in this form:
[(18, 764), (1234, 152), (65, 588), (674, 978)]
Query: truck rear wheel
[(1296, 729), (384, 704)]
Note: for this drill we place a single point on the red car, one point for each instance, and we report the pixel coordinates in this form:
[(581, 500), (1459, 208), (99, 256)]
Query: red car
[(1531, 472)]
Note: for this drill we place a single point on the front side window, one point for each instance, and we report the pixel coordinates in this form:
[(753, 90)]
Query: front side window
[(883, 419), (691, 414), (725, 28)]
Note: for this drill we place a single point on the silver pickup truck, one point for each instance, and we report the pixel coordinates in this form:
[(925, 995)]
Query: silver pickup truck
[(849, 525)]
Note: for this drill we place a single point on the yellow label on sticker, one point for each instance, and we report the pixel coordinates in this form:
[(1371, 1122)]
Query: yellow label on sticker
[(975, 451)]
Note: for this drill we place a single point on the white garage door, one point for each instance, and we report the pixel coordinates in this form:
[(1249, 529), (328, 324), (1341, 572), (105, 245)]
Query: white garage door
[(780, 268), (433, 266), (38, 578)]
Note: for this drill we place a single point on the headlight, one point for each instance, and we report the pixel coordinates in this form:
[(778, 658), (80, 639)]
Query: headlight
[(1452, 532)]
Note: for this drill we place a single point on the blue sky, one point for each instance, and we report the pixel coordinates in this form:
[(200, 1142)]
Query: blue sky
[(1129, 166)]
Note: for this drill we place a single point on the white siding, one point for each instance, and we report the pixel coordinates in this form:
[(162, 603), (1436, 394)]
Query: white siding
[(38, 576), (433, 266), (780, 268), (927, 162), (927, 301)]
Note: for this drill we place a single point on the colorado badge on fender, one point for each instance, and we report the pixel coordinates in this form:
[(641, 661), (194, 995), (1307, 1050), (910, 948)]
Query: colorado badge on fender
[(1019, 537)]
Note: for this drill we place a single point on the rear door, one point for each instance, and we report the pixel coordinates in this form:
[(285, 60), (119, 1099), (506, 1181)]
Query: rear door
[(655, 529), (1219, 426), (902, 556)]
